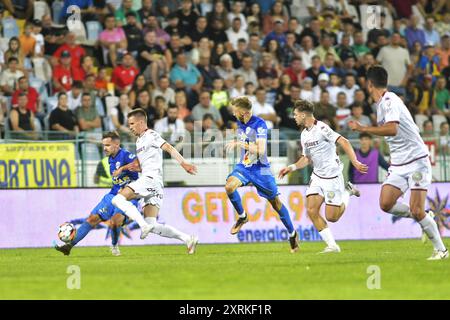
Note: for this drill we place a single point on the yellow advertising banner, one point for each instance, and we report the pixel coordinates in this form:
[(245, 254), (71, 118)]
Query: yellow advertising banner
[(37, 165)]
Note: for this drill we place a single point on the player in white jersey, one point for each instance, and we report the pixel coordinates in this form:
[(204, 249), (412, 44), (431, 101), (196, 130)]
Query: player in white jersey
[(318, 142), (410, 164), (149, 186)]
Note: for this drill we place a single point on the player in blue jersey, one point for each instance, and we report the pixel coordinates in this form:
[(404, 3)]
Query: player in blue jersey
[(105, 210), (254, 168)]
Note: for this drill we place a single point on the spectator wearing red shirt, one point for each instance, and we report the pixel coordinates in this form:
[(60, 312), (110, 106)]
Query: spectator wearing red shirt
[(77, 53), (31, 93), (62, 74), (124, 74), (295, 71)]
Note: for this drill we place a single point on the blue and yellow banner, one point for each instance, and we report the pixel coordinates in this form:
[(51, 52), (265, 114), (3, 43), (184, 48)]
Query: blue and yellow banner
[(37, 165)]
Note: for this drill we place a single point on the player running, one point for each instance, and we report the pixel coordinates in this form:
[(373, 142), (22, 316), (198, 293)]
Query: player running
[(410, 164), (105, 210), (318, 142), (149, 186), (254, 168)]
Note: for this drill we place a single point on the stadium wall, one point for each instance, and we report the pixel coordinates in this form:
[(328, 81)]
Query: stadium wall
[(30, 218)]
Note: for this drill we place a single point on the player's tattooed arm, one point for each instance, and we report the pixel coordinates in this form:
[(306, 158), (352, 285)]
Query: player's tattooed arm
[(300, 164), (188, 167), (387, 129), (346, 145), (134, 166)]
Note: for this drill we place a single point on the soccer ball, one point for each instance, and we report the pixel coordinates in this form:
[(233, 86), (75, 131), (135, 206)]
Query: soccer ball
[(67, 232)]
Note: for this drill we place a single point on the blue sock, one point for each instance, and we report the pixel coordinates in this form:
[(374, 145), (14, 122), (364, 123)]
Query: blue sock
[(286, 219), (82, 231), (115, 232), (235, 199)]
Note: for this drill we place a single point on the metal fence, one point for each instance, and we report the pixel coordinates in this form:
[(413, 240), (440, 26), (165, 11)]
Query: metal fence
[(213, 161)]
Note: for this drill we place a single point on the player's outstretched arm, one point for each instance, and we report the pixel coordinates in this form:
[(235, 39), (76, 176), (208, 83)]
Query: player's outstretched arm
[(133, 166), (345, 144), (188, 167), (300, 164), (387, 129)]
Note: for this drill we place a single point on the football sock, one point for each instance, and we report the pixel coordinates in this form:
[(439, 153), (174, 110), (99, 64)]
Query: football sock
[(429, 226), (401, 210), (166, 231), (327, 236), (82, 231), (235, 199), (129, 209), (286, 219), (115, 232)]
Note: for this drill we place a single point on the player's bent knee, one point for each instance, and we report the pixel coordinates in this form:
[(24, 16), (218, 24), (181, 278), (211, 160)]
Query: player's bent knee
[(230, 188), (332, 218), (312, 212), (93, 220), (386, 206)]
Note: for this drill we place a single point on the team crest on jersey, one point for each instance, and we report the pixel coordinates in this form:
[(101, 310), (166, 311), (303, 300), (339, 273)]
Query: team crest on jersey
[(117, 165), (330, 195), (247, 131), (261, 130), (417, 177)]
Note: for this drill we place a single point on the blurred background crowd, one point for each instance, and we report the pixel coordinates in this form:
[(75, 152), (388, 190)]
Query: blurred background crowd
[(81, 65)]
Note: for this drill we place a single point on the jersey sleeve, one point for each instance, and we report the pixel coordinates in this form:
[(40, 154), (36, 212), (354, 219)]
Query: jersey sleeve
[(328, 133), (391, 111), (129, 157), (261, 130), (156, 140)]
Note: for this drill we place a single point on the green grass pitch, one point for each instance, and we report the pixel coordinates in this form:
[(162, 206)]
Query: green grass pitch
[(237, 271)]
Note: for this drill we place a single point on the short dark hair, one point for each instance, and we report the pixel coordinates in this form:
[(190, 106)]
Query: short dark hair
[(242, 102), (365, 135), (138, 112), (304, 106), (11, 59), (86, 94), (208, 116), (111, 134), (378, 76)]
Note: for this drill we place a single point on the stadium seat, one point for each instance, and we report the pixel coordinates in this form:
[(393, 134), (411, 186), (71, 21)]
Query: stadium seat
[(41, 8), (57, 7), (10, 28), (93, 29), (437, 120), (42, 69), (111, 102), (51, 103), (420, 119)]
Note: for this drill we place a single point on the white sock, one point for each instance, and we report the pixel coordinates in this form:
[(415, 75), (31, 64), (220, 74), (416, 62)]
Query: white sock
[(167, 231), (345, 198), (429, 226), (242, 215), (401, 210), (327, 236), (129, 209)]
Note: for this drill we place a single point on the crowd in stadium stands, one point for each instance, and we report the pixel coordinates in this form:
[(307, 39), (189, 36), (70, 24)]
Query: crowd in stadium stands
[(70, 70)]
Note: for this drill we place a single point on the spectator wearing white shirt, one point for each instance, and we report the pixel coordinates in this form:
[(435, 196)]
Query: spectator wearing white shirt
[(307, 93), (171, 127), (9, 78), (349, 88), (307, 52), (322, 84), (236, 32), (237, 13), (74, 95), (334, 88), (239, 87), (264, 110)]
